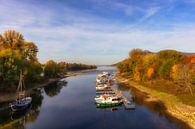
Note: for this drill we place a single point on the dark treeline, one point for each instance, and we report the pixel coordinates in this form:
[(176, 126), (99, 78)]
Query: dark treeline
[(168, 65), (52, 68), (17, 54)]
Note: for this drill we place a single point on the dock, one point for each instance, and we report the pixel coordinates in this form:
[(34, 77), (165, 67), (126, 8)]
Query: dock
[(128, 104)]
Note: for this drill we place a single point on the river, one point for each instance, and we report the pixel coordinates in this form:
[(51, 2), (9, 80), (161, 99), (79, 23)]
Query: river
[(71, 106)]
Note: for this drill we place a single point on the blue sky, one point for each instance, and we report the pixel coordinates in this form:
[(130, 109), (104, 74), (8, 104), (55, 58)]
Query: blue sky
[(100, 31)]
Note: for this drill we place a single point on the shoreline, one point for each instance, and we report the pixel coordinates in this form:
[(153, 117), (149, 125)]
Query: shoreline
[(11, 96), (173, 106)]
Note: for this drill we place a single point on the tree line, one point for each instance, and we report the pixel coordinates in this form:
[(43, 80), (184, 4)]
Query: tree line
[(166, 64), (17, 54), (52, 68)]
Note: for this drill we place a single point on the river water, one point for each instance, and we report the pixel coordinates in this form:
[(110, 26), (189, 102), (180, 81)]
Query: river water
[(71, 106)]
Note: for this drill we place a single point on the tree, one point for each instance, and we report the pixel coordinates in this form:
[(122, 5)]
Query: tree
[(30, 51), (17, 54), (11, 39), (186, 76), (51, 69)]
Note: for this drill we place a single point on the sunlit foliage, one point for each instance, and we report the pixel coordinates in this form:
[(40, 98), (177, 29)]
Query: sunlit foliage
[(17, 54), (167, 64)]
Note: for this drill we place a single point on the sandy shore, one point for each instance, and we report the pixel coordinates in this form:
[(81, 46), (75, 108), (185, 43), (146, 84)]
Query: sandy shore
[(173, 105)]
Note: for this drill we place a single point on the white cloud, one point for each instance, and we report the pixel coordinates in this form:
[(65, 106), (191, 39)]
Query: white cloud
[(82, 37)]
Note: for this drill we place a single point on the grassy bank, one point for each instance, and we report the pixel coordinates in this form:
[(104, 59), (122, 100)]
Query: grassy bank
[(173, 103)]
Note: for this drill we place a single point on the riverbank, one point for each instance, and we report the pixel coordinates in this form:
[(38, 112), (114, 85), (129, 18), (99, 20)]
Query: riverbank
[(173, 104), (8, 97)]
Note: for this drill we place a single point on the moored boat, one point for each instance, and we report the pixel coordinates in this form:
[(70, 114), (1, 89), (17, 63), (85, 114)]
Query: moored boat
[(104, 92), (108, 101), (101, 87), (129, 105), (22, 102)]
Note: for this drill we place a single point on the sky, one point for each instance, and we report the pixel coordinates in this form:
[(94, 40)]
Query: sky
[(100, 31)]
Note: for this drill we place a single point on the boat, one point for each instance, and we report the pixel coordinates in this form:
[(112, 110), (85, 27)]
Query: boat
[(22, 102), (128, 104), (101, 87), (103, 78), (108, 101), (102, 96), (104, 92)]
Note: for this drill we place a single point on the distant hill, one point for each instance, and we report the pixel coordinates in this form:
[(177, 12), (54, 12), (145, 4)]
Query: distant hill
[(188, 54)]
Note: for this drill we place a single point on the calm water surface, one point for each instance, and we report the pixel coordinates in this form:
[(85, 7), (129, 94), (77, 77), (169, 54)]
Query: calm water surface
[(71, 106)]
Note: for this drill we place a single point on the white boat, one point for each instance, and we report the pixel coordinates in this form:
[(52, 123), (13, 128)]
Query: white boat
[(22, 102), (102, 87), (103, 96), (108, 101), (103, 78), (105, 92)]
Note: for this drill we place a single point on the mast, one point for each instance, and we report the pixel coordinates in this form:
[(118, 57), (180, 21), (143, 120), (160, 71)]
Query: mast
[(21, 87)]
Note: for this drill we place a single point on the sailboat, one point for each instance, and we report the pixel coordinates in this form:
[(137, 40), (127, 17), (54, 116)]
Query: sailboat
[(22, 102)]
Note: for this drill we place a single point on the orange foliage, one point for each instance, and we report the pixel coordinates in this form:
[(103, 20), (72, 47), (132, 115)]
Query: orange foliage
[(150, 72), (190, 59)]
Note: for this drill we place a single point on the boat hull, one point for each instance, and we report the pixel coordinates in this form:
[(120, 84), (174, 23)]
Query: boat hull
[(16, 108), (108, 104), (24, 104), (129, 106)]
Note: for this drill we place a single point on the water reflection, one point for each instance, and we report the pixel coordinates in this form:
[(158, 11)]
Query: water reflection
[(54, 88), (18, 120)]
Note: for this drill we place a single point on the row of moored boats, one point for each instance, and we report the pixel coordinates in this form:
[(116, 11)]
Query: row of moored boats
[(106, 96)]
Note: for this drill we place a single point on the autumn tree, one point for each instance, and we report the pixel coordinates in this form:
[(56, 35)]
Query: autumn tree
[(17, 54), (51, 69)]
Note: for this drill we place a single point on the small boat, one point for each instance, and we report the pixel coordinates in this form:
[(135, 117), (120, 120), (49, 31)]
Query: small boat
[(105, 92), (108, 101), (129, 105), (22, 102), (102, 87), (103, 78)]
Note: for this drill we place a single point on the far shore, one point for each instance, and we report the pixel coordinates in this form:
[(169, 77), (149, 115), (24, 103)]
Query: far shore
[(173, 105), (4, 98)]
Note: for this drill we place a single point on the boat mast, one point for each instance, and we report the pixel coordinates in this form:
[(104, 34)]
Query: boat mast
[(21, 87)]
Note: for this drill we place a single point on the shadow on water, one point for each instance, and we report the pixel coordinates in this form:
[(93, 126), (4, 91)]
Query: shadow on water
[(156, 106), (54, 89), (11, 120)]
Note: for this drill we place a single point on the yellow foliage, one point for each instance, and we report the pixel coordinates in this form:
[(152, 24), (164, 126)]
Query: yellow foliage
[(174, 71), (137, 74), (149, 59)]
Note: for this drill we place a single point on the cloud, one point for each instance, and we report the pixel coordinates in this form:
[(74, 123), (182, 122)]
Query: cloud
[(150, 12), (104, 47), (66, 33)]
